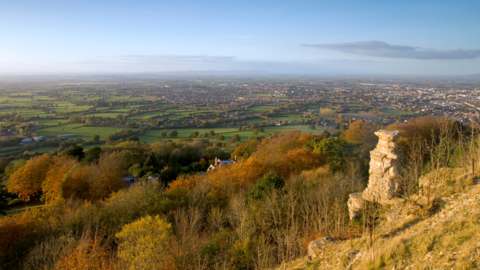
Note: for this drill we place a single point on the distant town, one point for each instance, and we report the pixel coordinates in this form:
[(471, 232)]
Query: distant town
[(53, 113)]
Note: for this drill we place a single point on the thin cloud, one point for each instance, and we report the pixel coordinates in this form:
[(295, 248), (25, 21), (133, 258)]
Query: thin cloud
[(383, 49), (174, 58)]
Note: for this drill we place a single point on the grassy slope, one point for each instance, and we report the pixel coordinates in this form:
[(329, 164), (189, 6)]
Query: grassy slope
[(448, 238)]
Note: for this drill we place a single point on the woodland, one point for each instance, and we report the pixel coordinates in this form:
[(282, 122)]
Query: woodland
[(285, 191)]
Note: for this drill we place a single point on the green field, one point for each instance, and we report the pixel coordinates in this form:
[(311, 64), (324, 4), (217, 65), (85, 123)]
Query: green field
[(51, 122), (78, 130), (228, 132), (396, 112)]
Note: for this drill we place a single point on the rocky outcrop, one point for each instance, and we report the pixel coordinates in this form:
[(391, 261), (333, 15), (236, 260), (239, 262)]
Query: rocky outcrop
[(383, 182), (355, 205), (315, 247)]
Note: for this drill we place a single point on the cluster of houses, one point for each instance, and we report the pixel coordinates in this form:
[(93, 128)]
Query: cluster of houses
[(32, 140), (35, 139), (221, 163)]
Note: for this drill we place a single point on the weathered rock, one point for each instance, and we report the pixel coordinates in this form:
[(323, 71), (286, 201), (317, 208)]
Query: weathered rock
[(383, 183), (315, 247), (355, 205)]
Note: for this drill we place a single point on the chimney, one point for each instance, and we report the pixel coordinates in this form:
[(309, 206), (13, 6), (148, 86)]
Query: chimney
[(216, 162), (235, 158)]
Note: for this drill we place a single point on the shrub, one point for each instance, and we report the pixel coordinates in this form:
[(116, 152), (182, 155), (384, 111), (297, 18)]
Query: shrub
[(143, 244)]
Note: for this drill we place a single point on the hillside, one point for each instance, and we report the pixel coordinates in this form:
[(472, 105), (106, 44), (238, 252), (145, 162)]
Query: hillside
[(411, 235)]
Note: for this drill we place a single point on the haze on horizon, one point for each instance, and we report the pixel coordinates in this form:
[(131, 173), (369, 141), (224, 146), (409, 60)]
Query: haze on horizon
[(297, 37)]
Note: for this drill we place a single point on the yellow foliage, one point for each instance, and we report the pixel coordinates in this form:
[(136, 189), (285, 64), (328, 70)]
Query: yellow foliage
[(27, 181), (144, 244), (56, 176)]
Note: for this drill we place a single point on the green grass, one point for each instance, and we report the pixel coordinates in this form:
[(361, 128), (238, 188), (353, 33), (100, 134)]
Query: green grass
[(78, 130), (105, 114), (51, 122), (44, 149), (396, 112), (228, 132), (261, 108)]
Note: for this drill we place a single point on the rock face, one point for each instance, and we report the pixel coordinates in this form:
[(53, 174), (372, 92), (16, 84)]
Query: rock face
[(383, 183), (315, 247), (355, 205)]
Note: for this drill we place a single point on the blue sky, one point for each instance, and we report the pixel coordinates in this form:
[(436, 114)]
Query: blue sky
[(315, 37)]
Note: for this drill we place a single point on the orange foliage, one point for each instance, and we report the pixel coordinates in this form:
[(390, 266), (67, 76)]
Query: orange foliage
[(361, 132), (306, 137), (184, 183), (421, 127), (27, 181), (87, 255), (77, 185), (283, 154), (15, 238), (57, 175)]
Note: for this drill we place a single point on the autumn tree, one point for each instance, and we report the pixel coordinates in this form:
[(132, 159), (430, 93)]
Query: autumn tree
[(360, 132), (245, 150), (144, 244), (60, 170), (106, 176), (88, 254), (27, 181)]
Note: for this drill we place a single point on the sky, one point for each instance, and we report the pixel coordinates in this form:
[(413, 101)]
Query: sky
[(295, 37)]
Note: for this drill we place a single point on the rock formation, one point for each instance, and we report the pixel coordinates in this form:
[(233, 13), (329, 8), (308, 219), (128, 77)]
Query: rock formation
[(355, 205), (383, 183), (315, 248)]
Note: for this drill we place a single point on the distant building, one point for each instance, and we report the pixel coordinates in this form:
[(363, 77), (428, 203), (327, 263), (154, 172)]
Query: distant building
[(26, 141), (38, 138), (221, 163)]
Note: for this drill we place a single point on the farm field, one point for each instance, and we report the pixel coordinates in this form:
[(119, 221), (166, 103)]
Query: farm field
[(361, 114), (396, 112), (77, 129), (51, 122), (153, 135)]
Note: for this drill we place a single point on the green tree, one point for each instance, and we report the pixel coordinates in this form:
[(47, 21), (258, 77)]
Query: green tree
[(92, 154), (96, 138), (236, 138), (76, 151), (164, 133), (194, 134), (265, 185), (3, 200), (14, 165), (173, 134), (211, 133), (220, 137), (336, 149)]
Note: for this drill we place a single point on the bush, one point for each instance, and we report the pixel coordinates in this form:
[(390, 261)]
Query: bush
[(265, 185), (144, 244)]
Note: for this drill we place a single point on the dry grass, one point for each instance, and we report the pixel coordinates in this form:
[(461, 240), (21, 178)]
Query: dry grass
[(440, 232)]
